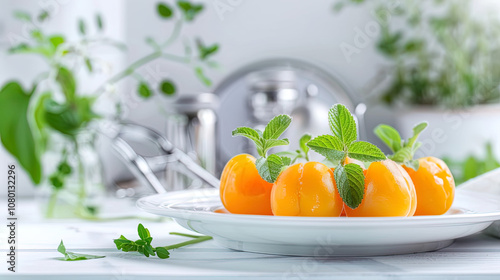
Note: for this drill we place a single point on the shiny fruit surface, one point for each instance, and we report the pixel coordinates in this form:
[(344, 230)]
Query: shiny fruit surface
[(434, 184), (389, 192), (306, 189), (242, 190)]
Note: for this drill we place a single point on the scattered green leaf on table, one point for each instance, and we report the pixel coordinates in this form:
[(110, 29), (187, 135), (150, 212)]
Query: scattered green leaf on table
[(70, 256)]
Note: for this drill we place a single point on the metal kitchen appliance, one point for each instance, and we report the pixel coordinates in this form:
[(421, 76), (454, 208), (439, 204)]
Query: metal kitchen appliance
[(256, 93)]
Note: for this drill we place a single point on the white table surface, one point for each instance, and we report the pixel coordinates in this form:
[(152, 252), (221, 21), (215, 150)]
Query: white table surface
[(474, 257)]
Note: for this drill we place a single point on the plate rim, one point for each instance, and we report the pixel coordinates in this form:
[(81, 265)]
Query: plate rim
[(146, 204)]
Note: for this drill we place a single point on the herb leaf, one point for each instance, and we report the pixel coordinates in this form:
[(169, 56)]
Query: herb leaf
[(329, 146), (303, 144), (402, 154), (389, 136), (277, 126), (164, 10), (350, 184), (275, 142), (416, 132), (270, 168), (70, 256), (269, 138), (67, 82), (247, 132), (144, 246), (342, 124), (189, 10), (365, 151), (22, 144)]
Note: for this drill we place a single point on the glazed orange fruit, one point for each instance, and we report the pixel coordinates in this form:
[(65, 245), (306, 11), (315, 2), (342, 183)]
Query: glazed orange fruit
[(389, 192), (242, 190), (435, 186), (306, 189)]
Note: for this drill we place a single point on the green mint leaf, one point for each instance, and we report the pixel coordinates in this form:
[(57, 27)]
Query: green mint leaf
[(18, 131), (143, 90), (88, 63), (200, 74), (365, 151), (204, 51), (99, 22), (286, 161), (413, 164), (274, 143), (164, 10), (269, 168), (162, 253), (148, 249), (21, 15), (390, 136), (247, 132), (277, 126), (121, 242), (56, 41), (403, 155), (189, 10), (70, 256), (82, 28), (303, 143), (328, 146), (167, 87), (143, 232), (140, 242), (61, 248), (416, 132), (67, 82), (350, 184), (290, 154), (342, 124)]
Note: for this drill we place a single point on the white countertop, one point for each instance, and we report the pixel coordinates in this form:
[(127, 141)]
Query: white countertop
[(473, 257)]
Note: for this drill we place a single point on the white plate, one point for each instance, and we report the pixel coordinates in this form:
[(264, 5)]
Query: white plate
[(328, 236)]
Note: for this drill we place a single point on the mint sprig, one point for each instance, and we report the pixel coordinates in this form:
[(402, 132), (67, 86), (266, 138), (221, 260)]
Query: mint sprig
[(303, 152), (143, 245), (403, 151), (342, 144), (269, 167), (70, 256)]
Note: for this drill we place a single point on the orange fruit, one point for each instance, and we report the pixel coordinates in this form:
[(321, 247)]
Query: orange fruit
[(434, 185), (306, 189), (389, 192), (242, 190)]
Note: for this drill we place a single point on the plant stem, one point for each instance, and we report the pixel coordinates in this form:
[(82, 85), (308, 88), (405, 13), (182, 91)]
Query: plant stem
[(81, 181), (52, 204), (174, 35), (185, 234), (129, 70), (192, 241)]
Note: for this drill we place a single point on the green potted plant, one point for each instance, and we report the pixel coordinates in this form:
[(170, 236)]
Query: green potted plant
[(443, 67), (51, 127)]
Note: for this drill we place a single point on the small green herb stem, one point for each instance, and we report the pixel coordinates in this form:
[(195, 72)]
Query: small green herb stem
[(185, 234), (81, 179), (175, 34), (52, 204), (192, 241), (129, 70)]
